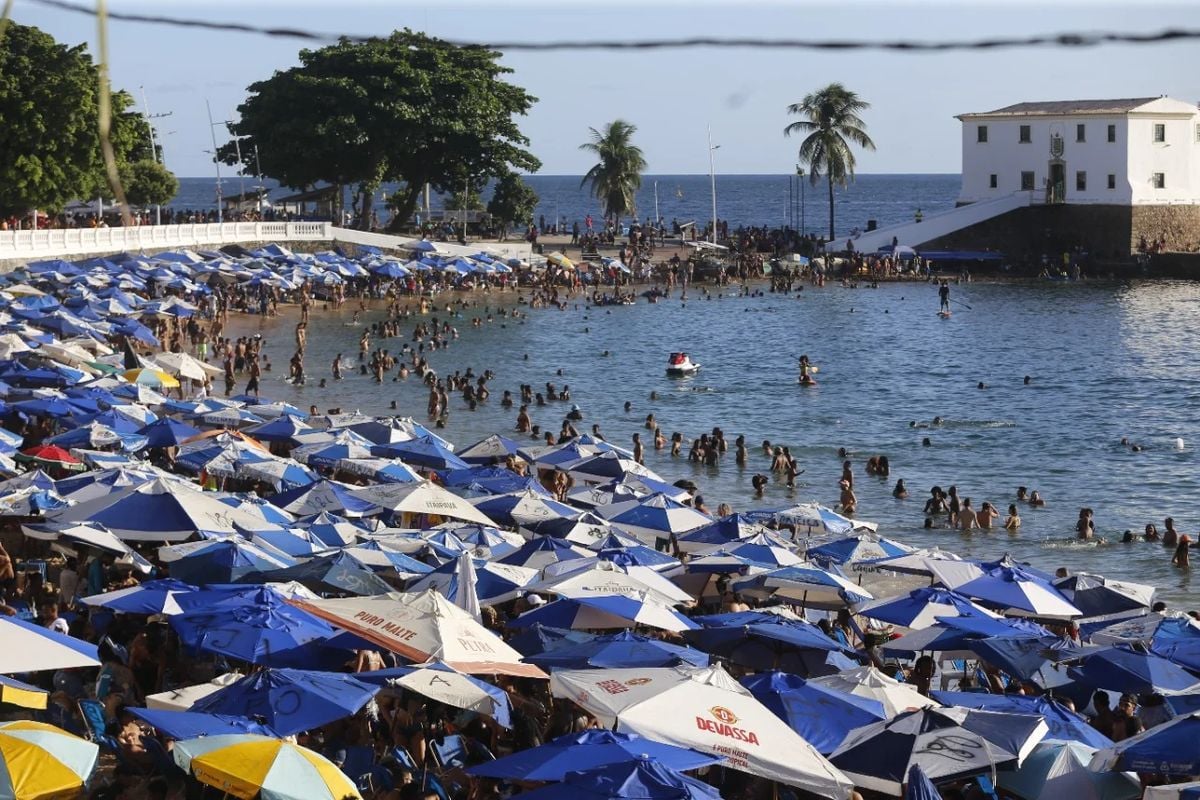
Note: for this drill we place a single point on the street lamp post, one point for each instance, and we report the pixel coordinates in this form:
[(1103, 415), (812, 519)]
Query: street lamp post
[(216, 161), (712, 177)]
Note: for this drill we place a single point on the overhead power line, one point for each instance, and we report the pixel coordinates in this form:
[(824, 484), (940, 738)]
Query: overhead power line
[(1064, 40)]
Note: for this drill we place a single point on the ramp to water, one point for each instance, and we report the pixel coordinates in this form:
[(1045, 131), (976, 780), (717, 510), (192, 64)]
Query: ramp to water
[(934, 226)]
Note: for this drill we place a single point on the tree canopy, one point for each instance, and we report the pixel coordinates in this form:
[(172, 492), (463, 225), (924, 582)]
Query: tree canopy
[(832, 122), (513, 200), (407, 108), (49, 132), (617, 176)]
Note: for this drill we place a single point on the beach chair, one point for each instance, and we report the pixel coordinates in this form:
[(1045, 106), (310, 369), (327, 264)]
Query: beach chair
[(95, 724), (358, 764), (450, 752), (987, 787)]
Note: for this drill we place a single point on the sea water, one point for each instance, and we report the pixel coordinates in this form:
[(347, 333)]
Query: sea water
[(1106, 361)]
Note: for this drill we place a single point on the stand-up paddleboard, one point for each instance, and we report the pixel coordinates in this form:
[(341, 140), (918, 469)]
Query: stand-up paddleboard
[(944, 314)]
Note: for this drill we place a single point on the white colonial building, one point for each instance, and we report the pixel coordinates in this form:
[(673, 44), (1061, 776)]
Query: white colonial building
[(1132, 152)]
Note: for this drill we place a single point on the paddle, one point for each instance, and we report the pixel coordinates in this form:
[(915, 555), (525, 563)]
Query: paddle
[(962, 303)]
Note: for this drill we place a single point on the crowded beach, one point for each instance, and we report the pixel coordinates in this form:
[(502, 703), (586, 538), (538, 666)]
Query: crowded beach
[(210, 592)]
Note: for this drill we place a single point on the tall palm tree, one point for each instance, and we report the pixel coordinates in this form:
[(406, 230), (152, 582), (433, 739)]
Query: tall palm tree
[(832, 123), (618, 175)]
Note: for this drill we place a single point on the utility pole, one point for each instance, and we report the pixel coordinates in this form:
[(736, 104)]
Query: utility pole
[(216, 161), (237, 143), (800, 175), (154, 154), (712, 177)]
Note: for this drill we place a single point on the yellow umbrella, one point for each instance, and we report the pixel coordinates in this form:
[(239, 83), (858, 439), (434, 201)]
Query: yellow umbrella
[(558, 258), (42, 762), (247, 765), (151, 377)]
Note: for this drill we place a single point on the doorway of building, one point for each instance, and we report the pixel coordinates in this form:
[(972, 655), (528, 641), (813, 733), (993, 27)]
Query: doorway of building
[(1056, 185)]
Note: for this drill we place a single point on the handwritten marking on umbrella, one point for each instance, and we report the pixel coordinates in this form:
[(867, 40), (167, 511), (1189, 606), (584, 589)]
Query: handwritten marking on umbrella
[(953, 747)]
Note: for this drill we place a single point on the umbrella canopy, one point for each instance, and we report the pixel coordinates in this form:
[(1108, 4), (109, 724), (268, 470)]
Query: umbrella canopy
[(185, 697), (48, 455), (527, 507), (870, 683), (1174, 791), (542, 550), (221, 560), (167, 432), (1097, 596), (1060, 769), (1169, 748), (1064, 724), (494, 583), (637, 779), (607, 578), (920, 608), (185, 366), (619, 651), (947, 743), (32, 648), (494, 449), (581, 751), (181, 725), (290, 700), (654, 517), (958, 635), (159, 511), (424, 451), (762, 641), (154, 378), (443, 683), (807, 585), (823, 716), (335, 573), (704, 709), (1015, 590), (1125, 669), (423, 626), (248, 766), (323, 496), (259, 628), (605, 611), (419, 498), (918, 786), (42, 761), (167, 596), (860, 547)]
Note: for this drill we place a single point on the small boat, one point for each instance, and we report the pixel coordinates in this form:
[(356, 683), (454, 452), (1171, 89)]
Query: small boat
[(680, 364)]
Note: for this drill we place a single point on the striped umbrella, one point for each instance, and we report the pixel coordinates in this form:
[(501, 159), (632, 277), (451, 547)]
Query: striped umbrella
[(42, 762), (249, 765)]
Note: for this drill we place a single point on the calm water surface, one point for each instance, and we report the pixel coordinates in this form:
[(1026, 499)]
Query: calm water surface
[(1107, 361)]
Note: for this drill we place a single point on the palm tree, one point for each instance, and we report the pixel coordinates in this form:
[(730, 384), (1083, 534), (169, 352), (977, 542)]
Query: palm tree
[(831, 118), (618, 175)]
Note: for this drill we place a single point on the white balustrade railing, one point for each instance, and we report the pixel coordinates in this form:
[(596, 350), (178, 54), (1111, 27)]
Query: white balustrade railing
[(58, 242)]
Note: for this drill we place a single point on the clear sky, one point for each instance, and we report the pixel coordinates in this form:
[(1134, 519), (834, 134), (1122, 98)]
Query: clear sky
[(671, 95)]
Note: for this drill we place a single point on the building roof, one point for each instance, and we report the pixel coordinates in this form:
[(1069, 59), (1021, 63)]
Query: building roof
[(1058, 108)]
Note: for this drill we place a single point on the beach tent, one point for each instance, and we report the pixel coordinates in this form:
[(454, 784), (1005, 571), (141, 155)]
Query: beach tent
[(706, 710)]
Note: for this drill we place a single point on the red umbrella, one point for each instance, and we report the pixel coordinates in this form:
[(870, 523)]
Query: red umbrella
[(52, 456)]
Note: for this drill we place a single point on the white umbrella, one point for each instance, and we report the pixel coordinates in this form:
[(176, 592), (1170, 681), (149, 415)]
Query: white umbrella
[(441, 682), (185, 697), (869, 682), (604, 577), (707, 710), (32, 648), (420, 498), (423, 626), (465, 597), (185, 366)]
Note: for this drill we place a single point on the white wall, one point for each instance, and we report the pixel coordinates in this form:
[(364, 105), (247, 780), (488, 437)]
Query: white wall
[(1133, 158)]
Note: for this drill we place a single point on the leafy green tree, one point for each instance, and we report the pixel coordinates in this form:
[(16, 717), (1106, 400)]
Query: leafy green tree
[(468, 200), (513, 200), (49, 136), (406, 108), (148, 183), (832, 123), (617, 176)]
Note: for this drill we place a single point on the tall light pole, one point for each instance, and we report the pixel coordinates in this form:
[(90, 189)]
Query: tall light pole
[(800, 174), (712, 178), (216, 160), (153, 145), (237, 143)]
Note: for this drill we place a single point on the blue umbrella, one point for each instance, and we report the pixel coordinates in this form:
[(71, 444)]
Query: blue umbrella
[(820, 714), (492, 450), (421, 452), (337, 573), (1097, 596), (164, 596), (1018, 590), (959, 633), (587, 750), (541, 550), (538, 638), (289, 700), (643, 778), (180, 725), (1063, 723), (604, 611), (1168, 749), (167, 432), (1124, 669), (919, 787), (324, 495), (331, 529), (281, 429), (494, 583), (224, 561), (441, 682), (1022, 657), (920, 607), (759, 640), (260, 628), (523, 508), (619, 650), (493, 480), (857, 548)]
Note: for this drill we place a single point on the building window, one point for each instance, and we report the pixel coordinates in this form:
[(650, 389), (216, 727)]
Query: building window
[(1081, 181), (1198, 132), (1080, 133), (1026, 181), (981, 134), (1026, 136), (992, 182), (1112, 133), (1112, 181), (1160, 132), (1160, 180)]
